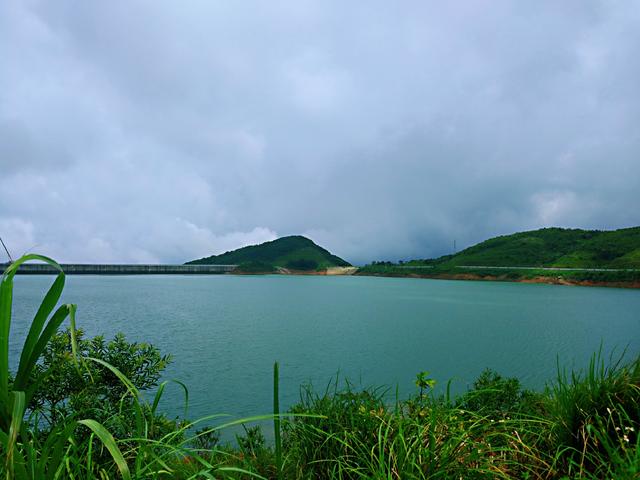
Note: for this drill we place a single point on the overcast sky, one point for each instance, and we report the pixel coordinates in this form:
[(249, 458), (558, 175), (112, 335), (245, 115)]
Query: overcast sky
[(151, 131)]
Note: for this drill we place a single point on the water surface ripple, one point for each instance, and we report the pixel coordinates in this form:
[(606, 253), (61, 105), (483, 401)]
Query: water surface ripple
[(226, 331)]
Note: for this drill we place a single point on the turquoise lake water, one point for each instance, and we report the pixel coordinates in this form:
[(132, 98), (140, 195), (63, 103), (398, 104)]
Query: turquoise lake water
[(226, 331)]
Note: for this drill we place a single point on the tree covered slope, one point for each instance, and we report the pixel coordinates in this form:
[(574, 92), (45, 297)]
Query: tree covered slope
[(294, 252), (554, 247)]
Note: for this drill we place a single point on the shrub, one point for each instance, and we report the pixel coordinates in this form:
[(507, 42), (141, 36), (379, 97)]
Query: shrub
[(498, 397), (95, 391)]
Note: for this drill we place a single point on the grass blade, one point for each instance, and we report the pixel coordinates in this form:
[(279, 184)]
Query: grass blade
[(6, 298), (140, 423), (242, 471), (276, 420), (158, 396), (22, 377), (56, 440), (109, 442), (46, 307), (17, 415)]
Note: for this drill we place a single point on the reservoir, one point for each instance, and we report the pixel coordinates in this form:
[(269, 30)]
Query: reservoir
[(225, 331)]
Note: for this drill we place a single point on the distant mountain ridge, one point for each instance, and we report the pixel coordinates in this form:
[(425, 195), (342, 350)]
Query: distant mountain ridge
[(293, 252), (553, 247)]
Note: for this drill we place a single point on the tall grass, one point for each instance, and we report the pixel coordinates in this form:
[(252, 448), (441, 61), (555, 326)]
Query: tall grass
[(361, 436), (584, 426), (590, 408)]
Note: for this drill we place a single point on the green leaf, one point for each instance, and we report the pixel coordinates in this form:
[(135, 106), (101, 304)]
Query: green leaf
[(160, 391), (46, 307), (132, 390), (109, 442), (276, 420), (17, 415), (22, 377), (6, 300), (52, 454)]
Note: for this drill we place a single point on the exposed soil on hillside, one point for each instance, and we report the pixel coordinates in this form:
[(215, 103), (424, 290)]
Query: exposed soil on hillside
[(504, 278), (452, 276), (332, 271)]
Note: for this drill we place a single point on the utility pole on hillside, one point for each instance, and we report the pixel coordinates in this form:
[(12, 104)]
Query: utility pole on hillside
[(6, 250), (454, 247)]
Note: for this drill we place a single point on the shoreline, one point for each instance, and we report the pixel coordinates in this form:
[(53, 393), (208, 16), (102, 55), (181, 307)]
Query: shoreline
[(549, 280), (41, 269), (493, 278)]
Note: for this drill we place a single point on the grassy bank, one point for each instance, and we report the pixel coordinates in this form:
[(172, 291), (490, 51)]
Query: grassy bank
[(622, 278), (89, 408), (547, 255)]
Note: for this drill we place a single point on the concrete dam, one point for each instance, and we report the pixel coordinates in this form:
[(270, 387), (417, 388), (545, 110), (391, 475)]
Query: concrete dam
[(124, 269)]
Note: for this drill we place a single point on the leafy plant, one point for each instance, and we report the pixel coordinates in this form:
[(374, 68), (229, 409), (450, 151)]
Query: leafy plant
[(424, 383), (498, 397), (93, 390)]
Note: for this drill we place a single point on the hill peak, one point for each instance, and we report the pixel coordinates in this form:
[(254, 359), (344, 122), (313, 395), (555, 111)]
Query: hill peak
[(294, 252)]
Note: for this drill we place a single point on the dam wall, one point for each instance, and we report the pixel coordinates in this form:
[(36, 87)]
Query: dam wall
[(130, 269)]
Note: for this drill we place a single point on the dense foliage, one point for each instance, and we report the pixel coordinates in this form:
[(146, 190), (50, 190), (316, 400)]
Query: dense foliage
[(596, 256), (93, 391), (302, 264), (255, 266), (278, 253), (555, 247), (603, 277)]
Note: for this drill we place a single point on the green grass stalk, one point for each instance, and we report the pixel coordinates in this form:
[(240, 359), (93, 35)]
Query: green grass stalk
[(276, 421)]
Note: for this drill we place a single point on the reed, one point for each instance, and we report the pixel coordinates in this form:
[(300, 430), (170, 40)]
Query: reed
[(276, 420)]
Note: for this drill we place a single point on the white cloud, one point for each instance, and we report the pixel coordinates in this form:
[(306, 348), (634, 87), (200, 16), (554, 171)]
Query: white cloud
[(154, 131)]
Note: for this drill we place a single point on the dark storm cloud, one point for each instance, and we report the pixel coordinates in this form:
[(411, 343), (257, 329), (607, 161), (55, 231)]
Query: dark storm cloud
[(152, 131)]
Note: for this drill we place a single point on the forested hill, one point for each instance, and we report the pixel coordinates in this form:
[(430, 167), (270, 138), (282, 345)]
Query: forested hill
[(554, 247), (294, 252)]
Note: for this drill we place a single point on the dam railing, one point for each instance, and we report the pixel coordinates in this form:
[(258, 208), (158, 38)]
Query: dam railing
[(121, 269)]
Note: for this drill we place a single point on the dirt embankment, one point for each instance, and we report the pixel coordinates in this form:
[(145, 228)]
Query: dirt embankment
[(341, 270), (333, 271), (503, 278)]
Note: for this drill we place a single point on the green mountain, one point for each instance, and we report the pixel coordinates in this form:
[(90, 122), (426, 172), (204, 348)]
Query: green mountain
[(295, 252), (553, 247)]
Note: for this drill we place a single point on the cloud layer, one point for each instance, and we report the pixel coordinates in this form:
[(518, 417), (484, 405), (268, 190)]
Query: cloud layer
[(161, 132)]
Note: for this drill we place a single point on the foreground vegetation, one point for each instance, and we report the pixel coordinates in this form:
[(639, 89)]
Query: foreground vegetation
[(76, 408)]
